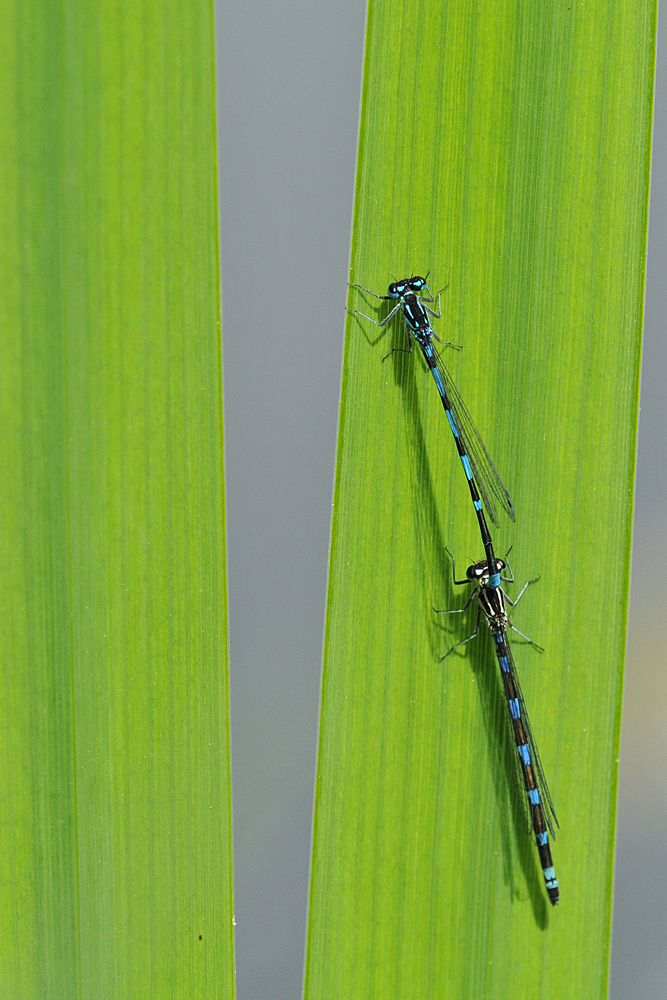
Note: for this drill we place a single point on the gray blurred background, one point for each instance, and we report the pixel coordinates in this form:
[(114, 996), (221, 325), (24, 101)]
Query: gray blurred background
[(289, 76)]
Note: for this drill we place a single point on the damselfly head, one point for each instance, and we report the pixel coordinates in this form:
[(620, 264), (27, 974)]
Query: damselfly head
[(480, 570), (477, 571), (398, 288)]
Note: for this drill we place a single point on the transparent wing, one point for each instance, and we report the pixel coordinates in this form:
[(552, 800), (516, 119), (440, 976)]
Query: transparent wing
[(545, 795), (486, 475)]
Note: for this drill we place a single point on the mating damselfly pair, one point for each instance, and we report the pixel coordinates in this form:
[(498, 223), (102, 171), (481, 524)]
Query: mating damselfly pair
[(413, 300)]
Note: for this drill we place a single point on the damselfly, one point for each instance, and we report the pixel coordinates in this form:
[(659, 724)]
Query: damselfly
[(491, 602), (480, 471)]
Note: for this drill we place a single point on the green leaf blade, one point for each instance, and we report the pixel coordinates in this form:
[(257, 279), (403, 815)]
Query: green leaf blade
[(116, 790), (506, 149)]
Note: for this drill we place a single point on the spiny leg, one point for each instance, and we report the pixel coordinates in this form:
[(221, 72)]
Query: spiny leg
[(364, 289), (383, 322), (457, 582), (463, 641), (456, 611), (510, 579), (516, 600), (424, 299), (447, 343), (536, 645)]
